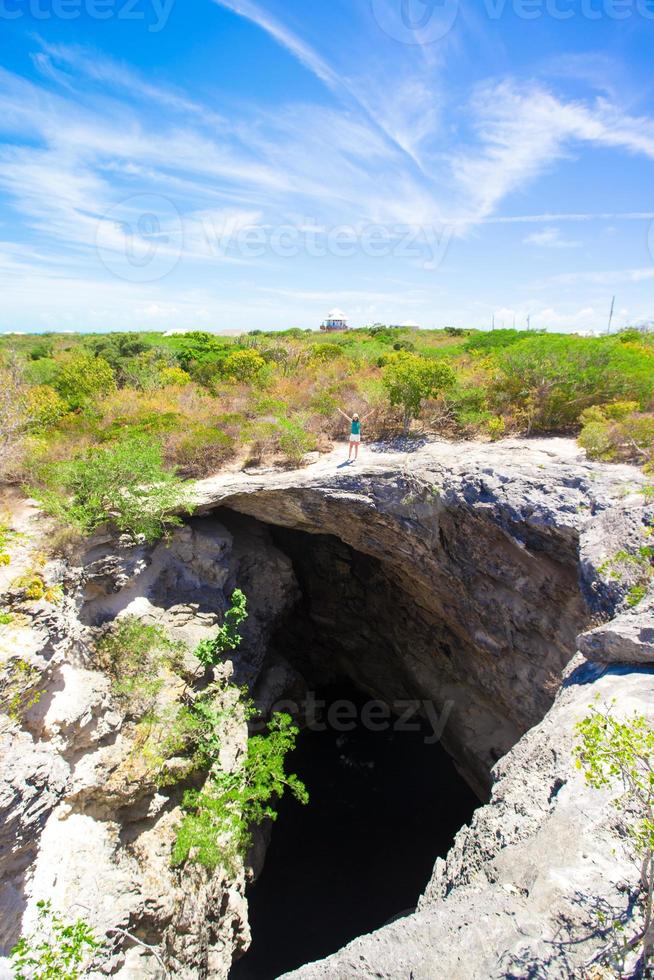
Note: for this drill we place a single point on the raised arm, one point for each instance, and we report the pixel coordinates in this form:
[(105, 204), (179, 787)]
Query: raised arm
[(367, 414), (344, 415)]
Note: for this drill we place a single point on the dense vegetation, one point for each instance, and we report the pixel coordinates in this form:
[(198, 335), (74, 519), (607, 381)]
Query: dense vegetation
[(108, 425)]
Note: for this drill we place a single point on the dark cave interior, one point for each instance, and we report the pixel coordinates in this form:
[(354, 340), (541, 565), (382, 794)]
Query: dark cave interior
[(383, 806)]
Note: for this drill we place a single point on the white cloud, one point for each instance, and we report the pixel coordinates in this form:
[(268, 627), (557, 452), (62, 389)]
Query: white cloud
[(550, 238), (524, 130)]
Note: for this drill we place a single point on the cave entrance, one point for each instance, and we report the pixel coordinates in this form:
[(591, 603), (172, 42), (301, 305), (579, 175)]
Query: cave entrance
[(469, 623), (384, 805)]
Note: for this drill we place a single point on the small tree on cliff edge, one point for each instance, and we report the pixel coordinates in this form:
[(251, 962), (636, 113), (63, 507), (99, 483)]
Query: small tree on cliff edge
[(622, 752), (409, 379)]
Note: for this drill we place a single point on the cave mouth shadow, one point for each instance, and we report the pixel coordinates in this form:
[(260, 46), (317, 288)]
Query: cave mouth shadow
[(383, 806)]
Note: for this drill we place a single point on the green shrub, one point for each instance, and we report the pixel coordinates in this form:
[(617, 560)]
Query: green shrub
[(324, 353), (552, 379), (219, 818), (496, 427), (56, 951), (124, 484), (493, 340), (44, 407), (211, 651), (294, 441), (617, 432), (200, 449), (243, 365), (81, 377), (409, 379)]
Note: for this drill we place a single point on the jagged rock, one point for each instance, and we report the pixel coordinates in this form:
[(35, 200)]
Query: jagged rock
[(627, 639)]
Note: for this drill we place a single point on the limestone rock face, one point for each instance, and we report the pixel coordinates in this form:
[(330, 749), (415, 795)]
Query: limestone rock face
[(81, 821), (487, 562), (468, 571), (628, 639)]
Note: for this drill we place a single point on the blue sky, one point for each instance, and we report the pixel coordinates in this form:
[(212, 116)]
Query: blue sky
[(242, 164)]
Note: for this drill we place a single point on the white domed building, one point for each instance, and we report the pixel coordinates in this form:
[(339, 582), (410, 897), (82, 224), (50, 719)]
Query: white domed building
[(335, 320)]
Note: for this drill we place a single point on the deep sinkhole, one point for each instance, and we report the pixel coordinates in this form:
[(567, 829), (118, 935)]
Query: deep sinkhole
[(484, 633), (383, 806)]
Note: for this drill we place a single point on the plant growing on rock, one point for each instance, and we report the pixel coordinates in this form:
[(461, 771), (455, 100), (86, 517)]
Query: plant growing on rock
[(133, 654), (56, 950), (219, 818), (210, 651), (19, 689), (622, 752), (6, 537)]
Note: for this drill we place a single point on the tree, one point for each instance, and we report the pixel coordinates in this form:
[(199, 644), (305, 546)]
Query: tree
[(409, 379), (622, 752), (124, 484), (81, 377)]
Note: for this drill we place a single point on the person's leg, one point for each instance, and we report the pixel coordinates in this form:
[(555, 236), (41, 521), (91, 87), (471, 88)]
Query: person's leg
[(356, 450), (349, 455)]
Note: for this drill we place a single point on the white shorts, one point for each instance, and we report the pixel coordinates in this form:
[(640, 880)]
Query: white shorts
[(354, 438)]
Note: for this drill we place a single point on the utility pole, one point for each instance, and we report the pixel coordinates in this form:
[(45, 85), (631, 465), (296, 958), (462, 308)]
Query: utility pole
[(493, 324), (529, 321), (611, 314), (514, 321)]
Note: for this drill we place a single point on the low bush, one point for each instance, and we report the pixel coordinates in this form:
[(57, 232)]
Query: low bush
[(134, 654), (617, 432), (199, 451), (124, 484), (81, 377)]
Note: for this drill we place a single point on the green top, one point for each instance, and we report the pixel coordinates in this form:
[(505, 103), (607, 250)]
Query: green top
[(356, 427)]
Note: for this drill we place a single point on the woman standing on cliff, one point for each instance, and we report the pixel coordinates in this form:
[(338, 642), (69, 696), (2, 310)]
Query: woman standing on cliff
[(355, 433)]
